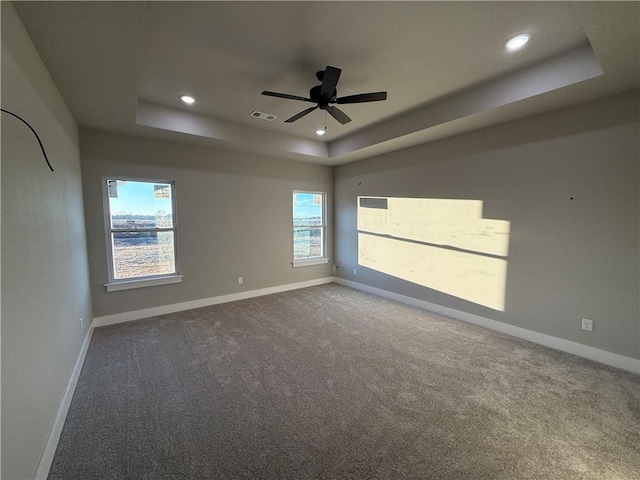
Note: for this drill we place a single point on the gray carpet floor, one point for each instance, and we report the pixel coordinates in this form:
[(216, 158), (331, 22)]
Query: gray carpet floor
[(332, 383)]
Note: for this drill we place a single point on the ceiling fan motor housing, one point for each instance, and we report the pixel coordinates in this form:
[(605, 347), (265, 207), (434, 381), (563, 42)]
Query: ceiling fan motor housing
[(323, 102)]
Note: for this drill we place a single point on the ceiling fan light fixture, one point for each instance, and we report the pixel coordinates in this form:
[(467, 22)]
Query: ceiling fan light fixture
[(188, 99), (517, 42)]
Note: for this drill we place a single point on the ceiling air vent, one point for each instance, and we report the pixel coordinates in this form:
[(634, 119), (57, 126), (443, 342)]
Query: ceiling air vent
[(262, 115)]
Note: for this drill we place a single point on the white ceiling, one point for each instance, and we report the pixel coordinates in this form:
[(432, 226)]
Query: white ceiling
[(123, 65)]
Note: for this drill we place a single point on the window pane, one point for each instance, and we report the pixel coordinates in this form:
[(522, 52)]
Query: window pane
[(139, 204), (139, 254), (307, 243), (307, 209)]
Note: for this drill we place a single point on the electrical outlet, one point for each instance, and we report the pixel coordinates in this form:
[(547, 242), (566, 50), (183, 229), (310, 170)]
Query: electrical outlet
[(81, 323), (355, 271), (240, 280), (587, 325)]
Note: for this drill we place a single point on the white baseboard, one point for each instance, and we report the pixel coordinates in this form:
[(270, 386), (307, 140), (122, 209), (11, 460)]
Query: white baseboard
[(585, 351), (205, 302), (42, 472)]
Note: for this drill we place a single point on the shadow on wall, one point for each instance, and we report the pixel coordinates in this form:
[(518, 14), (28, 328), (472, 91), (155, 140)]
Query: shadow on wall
[(442, 244)]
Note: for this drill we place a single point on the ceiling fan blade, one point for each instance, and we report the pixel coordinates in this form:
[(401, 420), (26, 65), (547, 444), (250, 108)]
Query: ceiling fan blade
[(338, 114), (363, 97), (329, 81), (300, 115), (286, 95)]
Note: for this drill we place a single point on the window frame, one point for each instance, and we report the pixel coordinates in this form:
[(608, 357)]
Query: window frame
[(114, 284), (323, 256)]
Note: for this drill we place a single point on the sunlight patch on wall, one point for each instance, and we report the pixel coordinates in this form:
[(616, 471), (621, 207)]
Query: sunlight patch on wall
[(442, 244)]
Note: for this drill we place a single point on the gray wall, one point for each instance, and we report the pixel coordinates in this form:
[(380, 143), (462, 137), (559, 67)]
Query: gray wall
[(567, 259), (45, 274), (233, 217)]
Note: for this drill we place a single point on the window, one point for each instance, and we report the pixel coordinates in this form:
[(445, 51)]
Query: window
[(141, 233), (309, 228)]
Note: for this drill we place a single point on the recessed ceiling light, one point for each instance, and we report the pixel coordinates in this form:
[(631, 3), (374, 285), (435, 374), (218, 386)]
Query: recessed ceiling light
[(320, 131), (517, 42), (187, 99)]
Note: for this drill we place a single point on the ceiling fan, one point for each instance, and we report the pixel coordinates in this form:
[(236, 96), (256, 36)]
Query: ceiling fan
[(326, 94)]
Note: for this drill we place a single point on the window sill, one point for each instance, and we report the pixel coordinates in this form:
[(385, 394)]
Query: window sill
[(307, 263), (146, 282)]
